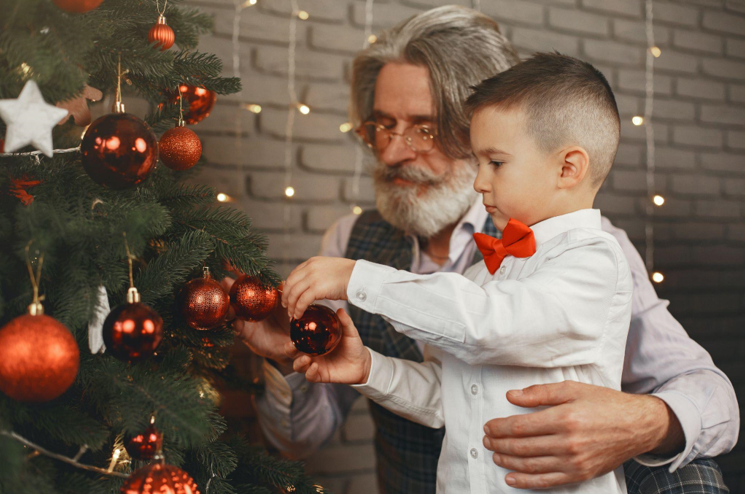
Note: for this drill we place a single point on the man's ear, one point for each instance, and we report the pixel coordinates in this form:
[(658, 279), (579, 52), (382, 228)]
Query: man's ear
[(575, 166)]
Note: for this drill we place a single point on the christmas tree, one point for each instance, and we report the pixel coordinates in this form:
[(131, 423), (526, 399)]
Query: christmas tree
[(90, 222)]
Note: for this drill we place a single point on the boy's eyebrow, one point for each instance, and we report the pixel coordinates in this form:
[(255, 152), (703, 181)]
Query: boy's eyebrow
[(490, 150)]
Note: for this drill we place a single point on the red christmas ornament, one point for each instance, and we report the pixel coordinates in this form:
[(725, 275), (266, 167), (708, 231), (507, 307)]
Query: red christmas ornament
[(161, 34), (132, 331), (200, 102), (39, 357), (144, 446), (157, 478), (251, 300), (180, 148), (317, 332), (119, 151), (77, 6), (204, 303)]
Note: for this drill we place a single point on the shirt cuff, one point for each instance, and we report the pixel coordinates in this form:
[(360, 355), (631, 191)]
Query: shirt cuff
[(366, 283), (689, 417), (379, 381)]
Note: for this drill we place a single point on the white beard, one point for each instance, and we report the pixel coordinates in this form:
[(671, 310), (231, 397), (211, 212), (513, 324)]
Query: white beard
[(430, 205)]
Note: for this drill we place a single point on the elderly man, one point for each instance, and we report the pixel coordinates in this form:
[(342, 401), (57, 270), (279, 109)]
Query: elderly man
[(676, 408)]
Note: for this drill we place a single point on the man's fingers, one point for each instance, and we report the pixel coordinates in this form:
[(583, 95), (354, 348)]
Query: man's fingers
[(290, 350), (532, 424), (312, 374), (545, 394), (537, 481), (301, 363), (540, 464), (524, 446)]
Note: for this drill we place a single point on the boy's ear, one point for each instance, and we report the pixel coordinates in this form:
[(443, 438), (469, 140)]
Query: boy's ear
[(575, 166)]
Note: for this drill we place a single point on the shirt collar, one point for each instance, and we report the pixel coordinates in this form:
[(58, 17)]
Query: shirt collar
[(547, 229)]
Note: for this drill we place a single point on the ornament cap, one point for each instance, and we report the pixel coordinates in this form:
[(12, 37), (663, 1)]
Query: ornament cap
[(133, 296), (162, 20), (206, 272), (118, 107), (36, 309)]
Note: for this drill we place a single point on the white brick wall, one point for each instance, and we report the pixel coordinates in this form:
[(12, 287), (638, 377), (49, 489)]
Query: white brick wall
[(699, 127)]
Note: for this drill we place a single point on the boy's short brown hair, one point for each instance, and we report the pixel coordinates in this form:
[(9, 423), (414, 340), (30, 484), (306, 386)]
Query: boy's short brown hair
[(566, 102)]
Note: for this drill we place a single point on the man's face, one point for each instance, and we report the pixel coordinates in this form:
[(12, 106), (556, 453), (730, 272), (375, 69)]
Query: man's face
[(516, 178), (420, 192)]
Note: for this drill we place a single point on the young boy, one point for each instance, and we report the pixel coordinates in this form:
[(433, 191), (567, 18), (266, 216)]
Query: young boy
[(551, 302)]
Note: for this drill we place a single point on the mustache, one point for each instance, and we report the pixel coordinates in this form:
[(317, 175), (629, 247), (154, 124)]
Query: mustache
[(413, 174)]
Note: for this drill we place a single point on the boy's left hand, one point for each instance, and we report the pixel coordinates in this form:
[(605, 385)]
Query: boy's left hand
[(318, 278)]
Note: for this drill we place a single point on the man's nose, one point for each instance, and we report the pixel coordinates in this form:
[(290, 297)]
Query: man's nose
[(397, 151)]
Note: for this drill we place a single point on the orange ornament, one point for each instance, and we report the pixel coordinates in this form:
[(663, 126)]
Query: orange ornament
[(251, 300), (39, 358), (161, 34), (158, 477), (198, 102), (77, 6), (180, 148)]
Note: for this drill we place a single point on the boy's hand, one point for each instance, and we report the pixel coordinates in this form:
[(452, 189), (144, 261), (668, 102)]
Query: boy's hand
[(348, 363), (318, 278)]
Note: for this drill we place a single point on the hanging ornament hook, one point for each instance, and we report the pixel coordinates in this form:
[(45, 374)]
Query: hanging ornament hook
[(35, 309), (157, 6), (118, 105), (133, 296), (181, 122)]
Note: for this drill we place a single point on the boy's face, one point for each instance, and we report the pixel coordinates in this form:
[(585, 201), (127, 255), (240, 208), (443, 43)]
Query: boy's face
[(516, 178)]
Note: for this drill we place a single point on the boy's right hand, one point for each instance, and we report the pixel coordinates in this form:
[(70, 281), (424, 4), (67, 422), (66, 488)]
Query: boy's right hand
[(348, 363)]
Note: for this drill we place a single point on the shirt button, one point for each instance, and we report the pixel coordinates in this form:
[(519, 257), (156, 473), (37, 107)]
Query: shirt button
[(475, 389), (304, 388), (361, 295), (502, 269), (474, 453)]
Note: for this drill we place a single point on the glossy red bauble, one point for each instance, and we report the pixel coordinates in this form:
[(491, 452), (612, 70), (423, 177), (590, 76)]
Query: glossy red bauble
[(144, 446), (198, 102), (252, 300), (317, 331), (39, 358), (159, 478), (132, 331)]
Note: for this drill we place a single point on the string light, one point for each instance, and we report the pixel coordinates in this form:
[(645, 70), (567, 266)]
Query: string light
[(304, 109), (658, 277), (252, 108), (637, 120), (345, 127), (357, 210), (372, 39), (221, 197), (656, 52), (649, 128), (249, 3), (303, 15), (114, 458), (658, 200), (290, 191)]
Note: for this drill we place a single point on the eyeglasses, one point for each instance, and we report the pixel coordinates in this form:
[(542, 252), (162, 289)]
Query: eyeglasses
[(420, 138)]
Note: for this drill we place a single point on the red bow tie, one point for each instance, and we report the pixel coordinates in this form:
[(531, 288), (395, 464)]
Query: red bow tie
[(517, 240)]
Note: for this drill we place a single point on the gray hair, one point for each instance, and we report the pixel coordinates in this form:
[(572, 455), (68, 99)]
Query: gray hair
[(460, 47)]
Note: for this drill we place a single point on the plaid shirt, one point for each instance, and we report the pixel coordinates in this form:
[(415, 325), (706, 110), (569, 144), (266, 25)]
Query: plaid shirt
[(407, 453)]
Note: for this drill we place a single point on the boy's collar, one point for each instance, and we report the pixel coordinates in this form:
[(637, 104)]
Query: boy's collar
[(549, 228)]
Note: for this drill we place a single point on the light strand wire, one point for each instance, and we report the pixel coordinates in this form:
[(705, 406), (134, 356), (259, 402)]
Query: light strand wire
[(359, 151), (648, 110), (289, 125), (237, 69)]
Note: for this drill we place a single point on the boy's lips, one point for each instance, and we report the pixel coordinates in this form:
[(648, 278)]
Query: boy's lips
[(490, 209)]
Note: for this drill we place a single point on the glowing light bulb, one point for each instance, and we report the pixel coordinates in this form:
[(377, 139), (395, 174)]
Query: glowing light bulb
[(303, 15), (222, 197), (637, 120), (658, 200), (655, 51), (357, 210), (253, 108), (290, 191), (303, 109), (249, 3), (345, 127), (657, 277), (372, 39), (117, 453)]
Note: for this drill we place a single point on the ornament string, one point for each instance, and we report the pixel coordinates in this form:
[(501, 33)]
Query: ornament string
[(129, 261), (35, 279), (181, 122), (157, 6), (289, 125), (71, 461), (648, 109)]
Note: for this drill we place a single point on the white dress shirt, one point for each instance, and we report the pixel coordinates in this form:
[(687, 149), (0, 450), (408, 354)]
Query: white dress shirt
[(561, 314), (298, 417)]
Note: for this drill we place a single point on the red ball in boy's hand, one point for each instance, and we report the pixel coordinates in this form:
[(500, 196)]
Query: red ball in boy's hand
[(317, 332)]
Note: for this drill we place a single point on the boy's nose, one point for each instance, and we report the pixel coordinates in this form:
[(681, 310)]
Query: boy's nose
[(481, 184)]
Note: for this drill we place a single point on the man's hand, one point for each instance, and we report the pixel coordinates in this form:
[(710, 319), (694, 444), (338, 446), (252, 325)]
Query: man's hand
[(318, 278), (348, 363), (265, 338), (587, 431)]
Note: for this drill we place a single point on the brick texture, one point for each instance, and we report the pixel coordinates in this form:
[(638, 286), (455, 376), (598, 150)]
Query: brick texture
[(699, 119)]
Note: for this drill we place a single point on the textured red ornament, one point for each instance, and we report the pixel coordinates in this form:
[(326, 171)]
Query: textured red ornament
[(162, 35), (159, 478), (251, 299), (119, 151), (204, 303), (19, 188), (39, 358), (180, 148), (317, 332), (144, 446), (77, 6), (132, 331), (198, 102)]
